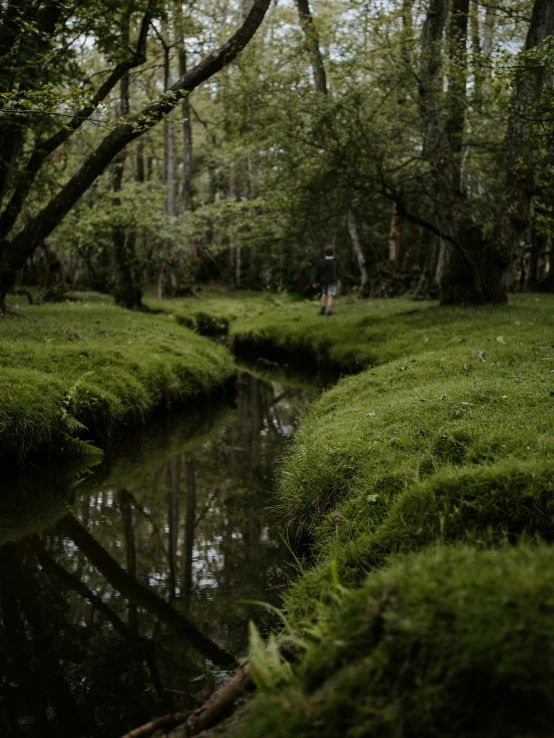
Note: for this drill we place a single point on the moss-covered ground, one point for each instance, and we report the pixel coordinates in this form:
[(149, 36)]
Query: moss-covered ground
[(423, 487), (92, 363)]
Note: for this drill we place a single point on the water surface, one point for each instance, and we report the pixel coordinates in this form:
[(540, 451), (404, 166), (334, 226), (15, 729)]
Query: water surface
[(126, 590)]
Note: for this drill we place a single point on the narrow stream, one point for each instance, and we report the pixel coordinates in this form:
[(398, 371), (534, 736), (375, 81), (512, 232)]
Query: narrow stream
[(126, 587)]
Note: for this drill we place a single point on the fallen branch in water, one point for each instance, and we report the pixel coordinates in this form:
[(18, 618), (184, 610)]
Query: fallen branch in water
[(216, 707), (167, 721), (218, 704)]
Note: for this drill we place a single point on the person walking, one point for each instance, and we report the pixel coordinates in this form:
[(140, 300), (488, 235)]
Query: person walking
[(326, 277)]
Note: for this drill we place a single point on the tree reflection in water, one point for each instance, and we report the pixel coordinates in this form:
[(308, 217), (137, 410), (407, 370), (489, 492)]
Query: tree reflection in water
[(137, 601)]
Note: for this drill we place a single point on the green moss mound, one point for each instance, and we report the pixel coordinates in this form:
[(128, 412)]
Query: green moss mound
[(486, 506), (374, 434), (98, 365), (447, 439), (450, 642)]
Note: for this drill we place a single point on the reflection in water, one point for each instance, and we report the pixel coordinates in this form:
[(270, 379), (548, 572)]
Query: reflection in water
[(137, 600)]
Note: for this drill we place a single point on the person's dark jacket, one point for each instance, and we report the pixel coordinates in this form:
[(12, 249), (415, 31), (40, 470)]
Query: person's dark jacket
[(327, 271)]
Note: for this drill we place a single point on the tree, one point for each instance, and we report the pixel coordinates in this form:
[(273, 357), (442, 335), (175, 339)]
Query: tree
[(15, 250), (477, 264)]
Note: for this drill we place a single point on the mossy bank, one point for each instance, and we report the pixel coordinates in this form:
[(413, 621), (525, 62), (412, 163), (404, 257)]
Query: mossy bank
[(423, 488), (92, 364)]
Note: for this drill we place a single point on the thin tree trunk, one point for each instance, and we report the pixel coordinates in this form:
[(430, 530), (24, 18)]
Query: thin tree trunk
[(394, 236), (407, 31), (312, 46), (128, 291), (173, 492), (190, 523), (124, 499), (355, 238), (186, 181)]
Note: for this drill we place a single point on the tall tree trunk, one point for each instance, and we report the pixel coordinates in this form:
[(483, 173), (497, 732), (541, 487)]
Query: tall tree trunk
[(190, 522), (461, 281), (355, 238), (173, 492), (407, 31), (513, 219), (321, 86), (128, 290), (456, 98), (185, 194), (234, 250), (312, 46), (124, 499)]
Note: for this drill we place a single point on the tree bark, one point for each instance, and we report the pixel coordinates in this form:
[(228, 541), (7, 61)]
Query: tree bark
[(312, 45), (14, 253), (513, 218), (185, 194), (462, 282), (190, 523), (456, 98), (128, 290), (394, 236), (355, 238)]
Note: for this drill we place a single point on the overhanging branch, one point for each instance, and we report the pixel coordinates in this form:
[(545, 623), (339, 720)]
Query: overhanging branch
[(43, 149), (22, 246)]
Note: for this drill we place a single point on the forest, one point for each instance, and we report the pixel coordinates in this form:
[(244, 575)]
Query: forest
[(229, 506), (162, 145)]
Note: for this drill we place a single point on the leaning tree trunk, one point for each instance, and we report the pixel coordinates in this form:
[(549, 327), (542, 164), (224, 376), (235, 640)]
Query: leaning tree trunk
[(15, 251)]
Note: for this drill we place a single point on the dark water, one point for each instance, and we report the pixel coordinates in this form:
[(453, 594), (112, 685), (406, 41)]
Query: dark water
[(126, 588)]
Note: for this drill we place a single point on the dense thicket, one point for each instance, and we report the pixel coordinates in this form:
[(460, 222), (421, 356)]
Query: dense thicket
[(414, 135)]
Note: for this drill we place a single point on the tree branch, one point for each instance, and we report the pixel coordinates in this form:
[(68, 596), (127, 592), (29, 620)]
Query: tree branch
[(15, 252), (431, 227), (45, 148)]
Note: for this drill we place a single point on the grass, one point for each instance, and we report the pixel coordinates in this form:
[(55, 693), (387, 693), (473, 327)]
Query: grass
[(453, 641), (360, 333), (423, 487), (212, 311), (98, 365)]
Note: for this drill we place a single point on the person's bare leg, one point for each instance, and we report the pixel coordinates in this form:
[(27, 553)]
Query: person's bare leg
[(323, 302), (330, 303)]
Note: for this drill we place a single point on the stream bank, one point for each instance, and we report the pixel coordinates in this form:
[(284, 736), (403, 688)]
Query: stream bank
[(424, 486), (92, 364)]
